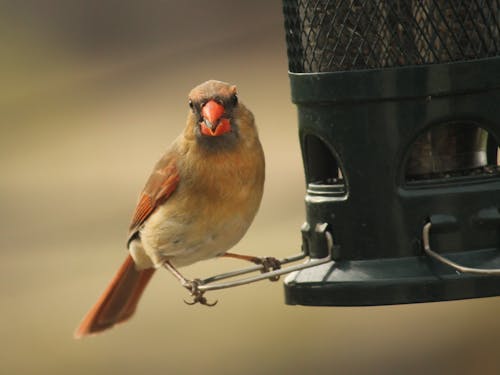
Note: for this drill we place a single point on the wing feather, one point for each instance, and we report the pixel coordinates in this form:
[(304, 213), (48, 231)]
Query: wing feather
[(159, 187)]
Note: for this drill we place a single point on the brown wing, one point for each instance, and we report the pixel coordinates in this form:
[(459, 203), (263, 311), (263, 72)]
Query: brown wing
[(160, 185)]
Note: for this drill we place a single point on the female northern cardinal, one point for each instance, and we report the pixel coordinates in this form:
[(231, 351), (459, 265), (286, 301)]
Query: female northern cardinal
[(199, 201)]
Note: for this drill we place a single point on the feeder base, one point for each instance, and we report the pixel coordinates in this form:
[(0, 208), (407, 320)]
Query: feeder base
[(393, 281)]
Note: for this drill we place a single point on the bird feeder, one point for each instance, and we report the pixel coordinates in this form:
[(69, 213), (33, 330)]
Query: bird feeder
[(399, 125)]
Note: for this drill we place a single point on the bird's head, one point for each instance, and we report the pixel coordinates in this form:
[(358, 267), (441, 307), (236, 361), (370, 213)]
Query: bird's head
[(214, 110)]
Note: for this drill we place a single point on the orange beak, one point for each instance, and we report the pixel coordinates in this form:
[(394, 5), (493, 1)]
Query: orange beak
[(213, 124)]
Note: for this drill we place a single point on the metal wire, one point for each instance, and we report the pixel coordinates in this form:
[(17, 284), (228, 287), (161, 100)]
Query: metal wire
[(328, 36), (456, 266), (210, 283)]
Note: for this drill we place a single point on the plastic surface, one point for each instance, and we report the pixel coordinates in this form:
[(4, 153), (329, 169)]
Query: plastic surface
[(367, 121), (392, 281)]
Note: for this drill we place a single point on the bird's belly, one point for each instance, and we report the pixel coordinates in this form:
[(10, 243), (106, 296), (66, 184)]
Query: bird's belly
[(185, 239)]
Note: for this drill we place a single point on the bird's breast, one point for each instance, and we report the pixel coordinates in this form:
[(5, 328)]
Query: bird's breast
[(206, 216)]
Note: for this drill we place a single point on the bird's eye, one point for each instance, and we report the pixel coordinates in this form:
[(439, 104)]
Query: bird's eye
[(191, 105), (234, 99)]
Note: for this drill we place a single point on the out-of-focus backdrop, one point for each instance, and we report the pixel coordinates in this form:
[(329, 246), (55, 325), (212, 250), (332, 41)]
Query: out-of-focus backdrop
[(92, 93)]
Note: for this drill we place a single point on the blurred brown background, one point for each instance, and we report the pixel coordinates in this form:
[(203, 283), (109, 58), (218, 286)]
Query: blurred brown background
[(92, 93)]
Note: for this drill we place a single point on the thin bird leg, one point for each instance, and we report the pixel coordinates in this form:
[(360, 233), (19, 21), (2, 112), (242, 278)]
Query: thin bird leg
[(191, 285), (269, 263)]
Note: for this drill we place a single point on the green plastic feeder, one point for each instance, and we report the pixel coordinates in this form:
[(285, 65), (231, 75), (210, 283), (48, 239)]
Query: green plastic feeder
[(399, 125)]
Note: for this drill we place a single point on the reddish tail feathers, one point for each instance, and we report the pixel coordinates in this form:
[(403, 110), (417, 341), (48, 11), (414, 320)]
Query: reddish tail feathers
[(119, 300)]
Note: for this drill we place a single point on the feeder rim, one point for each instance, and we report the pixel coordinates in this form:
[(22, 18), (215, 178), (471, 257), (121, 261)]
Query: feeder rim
[(403, 82)]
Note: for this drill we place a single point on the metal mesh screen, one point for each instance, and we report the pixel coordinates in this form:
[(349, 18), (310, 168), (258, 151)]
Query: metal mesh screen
[(328, 36)]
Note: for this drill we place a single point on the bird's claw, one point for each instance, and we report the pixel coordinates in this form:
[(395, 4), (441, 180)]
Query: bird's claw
[(197, 294), (199, 298), (270, 264)]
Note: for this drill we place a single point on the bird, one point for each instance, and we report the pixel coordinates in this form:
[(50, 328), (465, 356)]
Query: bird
[(198, 202)]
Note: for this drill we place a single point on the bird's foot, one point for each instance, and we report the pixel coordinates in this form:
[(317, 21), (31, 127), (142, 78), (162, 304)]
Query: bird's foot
[(197, 294), (269, 264)]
